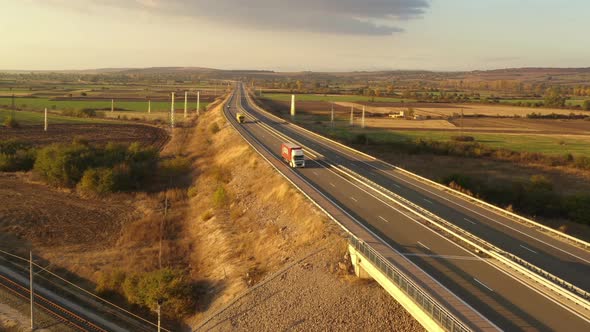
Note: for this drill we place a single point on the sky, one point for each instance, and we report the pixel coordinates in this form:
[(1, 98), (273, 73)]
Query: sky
[(295, 35)]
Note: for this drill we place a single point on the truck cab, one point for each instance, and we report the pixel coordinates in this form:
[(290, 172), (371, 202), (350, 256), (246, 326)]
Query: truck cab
[(240, 117), (293, 155)]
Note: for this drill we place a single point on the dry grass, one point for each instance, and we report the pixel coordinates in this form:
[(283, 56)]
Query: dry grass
[(266, 224)]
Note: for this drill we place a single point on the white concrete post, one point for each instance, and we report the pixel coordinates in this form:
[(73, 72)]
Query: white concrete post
[(112, 105), (185, 103), (292, 105), (363, 119), (45, 120), (149, 106), (198, 103), (172, 111), (352, 115), (332, 115)]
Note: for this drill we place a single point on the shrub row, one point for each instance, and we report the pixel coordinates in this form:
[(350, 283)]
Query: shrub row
[(81, 113), (16, 156), (114, 167), (534, 197)]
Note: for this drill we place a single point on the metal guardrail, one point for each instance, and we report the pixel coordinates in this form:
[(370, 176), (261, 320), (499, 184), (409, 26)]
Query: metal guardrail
[(436, 311)]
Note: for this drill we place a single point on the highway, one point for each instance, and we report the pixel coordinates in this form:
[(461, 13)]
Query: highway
[(505, 301)]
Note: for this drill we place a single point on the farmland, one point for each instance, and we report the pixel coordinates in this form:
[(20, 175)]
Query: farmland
[(546, 144), (133, 106), (330, 98), (518, 134), (96, 133), (36, 118)]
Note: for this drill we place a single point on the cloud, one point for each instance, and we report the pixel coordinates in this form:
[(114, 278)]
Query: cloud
[(349, 17)]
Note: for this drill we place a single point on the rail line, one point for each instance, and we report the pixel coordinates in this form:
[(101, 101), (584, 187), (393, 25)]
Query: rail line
[(66, 316)]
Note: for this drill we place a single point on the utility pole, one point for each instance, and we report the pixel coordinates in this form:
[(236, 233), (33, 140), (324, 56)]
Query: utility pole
[(352, 115), (185, 102), (292, 106), (45, 120), (159, 315), (172, 111), (31, 290), (461, 121), (112, 105), (162, 231), (149, 106), (332, 115), (363, 118), (198, 103)]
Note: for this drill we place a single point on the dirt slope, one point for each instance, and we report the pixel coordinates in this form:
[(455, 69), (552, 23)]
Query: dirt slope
[(265, 226)]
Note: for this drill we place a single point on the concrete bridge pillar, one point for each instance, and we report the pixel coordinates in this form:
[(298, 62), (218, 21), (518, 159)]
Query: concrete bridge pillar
[(357, 264)]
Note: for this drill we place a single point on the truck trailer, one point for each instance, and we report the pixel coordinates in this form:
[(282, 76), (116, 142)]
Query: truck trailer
[(293, 155)]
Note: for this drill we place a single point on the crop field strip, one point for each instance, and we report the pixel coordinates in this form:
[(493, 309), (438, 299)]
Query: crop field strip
[(135, 106)]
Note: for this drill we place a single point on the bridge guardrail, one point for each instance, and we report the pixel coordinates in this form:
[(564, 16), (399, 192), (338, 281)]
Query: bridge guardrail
[(436, 311)]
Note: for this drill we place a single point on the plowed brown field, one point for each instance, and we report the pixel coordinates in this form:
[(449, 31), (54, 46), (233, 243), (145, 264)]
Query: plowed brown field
[(94, 133)]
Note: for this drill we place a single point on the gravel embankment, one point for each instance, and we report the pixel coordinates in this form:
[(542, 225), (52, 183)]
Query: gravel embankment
[(311, 296)]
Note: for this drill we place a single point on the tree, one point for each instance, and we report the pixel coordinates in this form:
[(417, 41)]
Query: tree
[(553, 98), (299, 85)]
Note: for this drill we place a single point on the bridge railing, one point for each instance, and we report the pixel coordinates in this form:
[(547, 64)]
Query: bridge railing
[(435, 310)]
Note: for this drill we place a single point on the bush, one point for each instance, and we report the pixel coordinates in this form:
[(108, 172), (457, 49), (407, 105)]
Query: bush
[(16, 156), (63, 165), (463, 138), (214, 128), (577, 208), (171, 286), (80, 113), (220, 197), (98, 181), (110, 282), (586, 105), (11, 122)]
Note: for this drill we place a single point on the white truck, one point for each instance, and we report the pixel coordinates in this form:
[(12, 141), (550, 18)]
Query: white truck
[(293, 154)]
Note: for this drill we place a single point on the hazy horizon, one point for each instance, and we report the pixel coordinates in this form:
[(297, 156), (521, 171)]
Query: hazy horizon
[(324, 36)]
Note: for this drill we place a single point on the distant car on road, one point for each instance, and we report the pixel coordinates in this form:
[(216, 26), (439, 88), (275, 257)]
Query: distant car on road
[(240, 117)]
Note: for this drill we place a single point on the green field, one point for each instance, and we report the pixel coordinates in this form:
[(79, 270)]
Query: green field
[(35, 118), (330, 98), (551, 145), (135, 106)]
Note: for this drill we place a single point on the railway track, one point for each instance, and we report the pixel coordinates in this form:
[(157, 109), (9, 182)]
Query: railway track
[(69, 318)]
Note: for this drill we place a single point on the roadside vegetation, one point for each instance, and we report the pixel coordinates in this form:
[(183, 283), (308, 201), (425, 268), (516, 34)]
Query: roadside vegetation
[(535, 197), (166, 285)]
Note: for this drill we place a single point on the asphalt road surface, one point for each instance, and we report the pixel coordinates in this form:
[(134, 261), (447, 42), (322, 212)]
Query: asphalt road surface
[(505, 301)]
